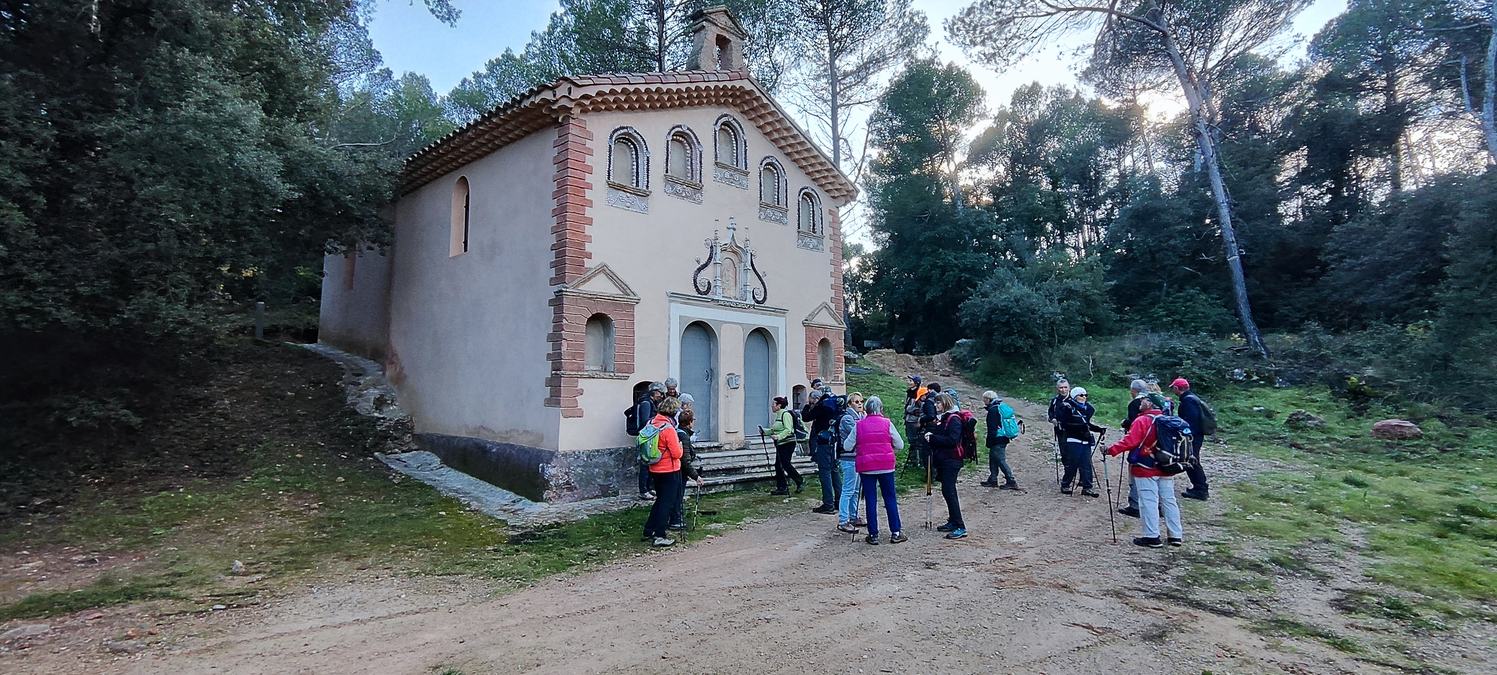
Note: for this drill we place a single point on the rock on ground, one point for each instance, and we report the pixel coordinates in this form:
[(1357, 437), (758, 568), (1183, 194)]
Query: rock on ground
[(1396, 430)]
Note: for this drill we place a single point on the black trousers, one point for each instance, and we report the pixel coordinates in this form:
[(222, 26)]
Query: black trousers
[(783, 467), (667, 495), (1196, 473), (948, 469)]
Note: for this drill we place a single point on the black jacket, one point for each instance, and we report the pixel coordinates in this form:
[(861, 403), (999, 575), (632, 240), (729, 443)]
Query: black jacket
[(928, 416), (1133, 412), (995, 423), (946, 437), (1075, 420), (688, 454)]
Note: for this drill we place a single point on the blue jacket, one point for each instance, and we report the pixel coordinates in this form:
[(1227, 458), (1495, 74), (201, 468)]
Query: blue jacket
[(1190, 411)]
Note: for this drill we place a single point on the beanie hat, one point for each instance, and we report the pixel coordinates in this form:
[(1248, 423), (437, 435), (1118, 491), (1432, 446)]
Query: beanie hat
[(1078, 391), (1157, 400), (915, 377)]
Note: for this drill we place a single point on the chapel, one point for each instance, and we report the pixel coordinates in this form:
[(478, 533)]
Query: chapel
[(592, 235)]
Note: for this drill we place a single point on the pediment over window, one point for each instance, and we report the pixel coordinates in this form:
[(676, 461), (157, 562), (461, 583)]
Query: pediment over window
[(825, 317), (602, 282)]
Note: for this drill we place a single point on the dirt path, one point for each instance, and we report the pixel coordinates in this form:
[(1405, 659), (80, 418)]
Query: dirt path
[(1037, 587)]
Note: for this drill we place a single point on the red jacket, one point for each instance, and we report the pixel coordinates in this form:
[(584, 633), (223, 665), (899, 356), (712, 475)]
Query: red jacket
[(1140, 435)]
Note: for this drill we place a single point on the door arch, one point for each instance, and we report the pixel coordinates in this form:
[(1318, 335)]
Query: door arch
[(699, 376), (759, 371)]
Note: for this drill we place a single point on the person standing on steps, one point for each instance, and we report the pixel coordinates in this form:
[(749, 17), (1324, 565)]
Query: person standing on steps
[(874, 442), (1154, 488), (1075, 421), (1138, 389), (685, 431), (847, 502), (820, 420), (946, 456), (914, 398), (644, 411), (666, 473), (1193, 411), (1002, 428), (783, 435)]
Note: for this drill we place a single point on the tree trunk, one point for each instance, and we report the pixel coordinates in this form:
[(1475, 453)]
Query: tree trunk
[(1489, 98), (662, 30), (1207, 147), (834, 106)]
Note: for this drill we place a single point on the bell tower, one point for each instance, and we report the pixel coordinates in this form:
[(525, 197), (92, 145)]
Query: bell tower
[(716, 40)]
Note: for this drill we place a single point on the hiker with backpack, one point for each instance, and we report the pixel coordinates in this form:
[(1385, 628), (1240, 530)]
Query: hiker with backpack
[(786, 432), (1153, 468), (635, 418), (1062, 395), (1138, 390), (847, 501), (874, 442), (1003, 427), (946, 456), (1202, 421), (685, 421), (914, 398), (660, 450), (821, 412), (1075, 422)]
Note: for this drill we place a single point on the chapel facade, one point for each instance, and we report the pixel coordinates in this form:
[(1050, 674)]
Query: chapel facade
[(590, 236)]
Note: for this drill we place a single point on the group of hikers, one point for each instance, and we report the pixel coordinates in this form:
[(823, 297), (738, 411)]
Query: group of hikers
[(853, 443)]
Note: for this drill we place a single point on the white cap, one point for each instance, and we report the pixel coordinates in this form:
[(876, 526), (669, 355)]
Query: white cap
[(1078, 391)]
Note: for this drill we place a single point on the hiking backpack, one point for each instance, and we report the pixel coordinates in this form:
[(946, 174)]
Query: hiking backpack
[(1171, 454), (631, 421), (1010, 421), (648, 443), (968, 447), (800, 434), (1208, 416)]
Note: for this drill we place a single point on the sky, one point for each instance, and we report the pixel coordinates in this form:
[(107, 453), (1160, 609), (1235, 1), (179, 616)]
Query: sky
[(410, 39)]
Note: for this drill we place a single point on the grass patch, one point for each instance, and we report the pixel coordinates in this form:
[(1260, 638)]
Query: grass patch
[(106, 592), (1285, 627)]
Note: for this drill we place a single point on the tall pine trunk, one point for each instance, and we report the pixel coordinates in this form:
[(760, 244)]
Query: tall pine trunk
[(1207, 145), (1489, 98)]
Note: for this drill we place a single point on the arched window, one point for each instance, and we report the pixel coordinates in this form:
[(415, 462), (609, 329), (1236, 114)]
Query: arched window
[(683, 155), (628, 160), (808, 216), (730, 148), (599, 346), (771, 183), (825, 367), (460, 215)]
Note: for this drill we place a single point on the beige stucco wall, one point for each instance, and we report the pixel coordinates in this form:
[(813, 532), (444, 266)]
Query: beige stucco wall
[(656, 253), (468, 332), (354, 312)]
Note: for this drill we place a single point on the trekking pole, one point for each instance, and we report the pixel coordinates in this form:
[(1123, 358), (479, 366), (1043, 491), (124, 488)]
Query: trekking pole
[(765, 442), (1112, 514)]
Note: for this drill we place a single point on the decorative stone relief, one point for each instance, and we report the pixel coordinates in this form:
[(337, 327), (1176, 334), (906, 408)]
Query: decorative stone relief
[(773, 214), (628, 201), (811, 242), (728, 175), (691, 193)]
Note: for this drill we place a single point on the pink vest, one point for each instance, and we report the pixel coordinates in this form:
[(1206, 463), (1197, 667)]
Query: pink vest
[(875, 450)]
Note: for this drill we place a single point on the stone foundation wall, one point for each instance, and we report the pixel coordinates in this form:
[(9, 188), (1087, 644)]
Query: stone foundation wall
[(538, 474)]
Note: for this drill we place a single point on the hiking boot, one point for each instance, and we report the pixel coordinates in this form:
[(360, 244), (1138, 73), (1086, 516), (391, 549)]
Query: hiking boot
[(948, 527), (1151, 542), (847, 527), (872, 539), (1195, 494), (1129, 511), (779, 493), (647, 496), (898, 538), (1177, 541), (1010, 485), (799, 487), (1067, 491), (989, 483), (1088, 492), (824, 508), (663, 542), (958, 533), (859, 522)]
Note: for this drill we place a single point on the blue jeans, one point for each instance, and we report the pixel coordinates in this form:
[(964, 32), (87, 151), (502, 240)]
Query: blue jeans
[(1151, 493), (1078, 459), (826, 474), (644, 478), (847, 502), (875, 484)]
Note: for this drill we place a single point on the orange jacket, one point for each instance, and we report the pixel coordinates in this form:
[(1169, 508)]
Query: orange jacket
[(670, 446)]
